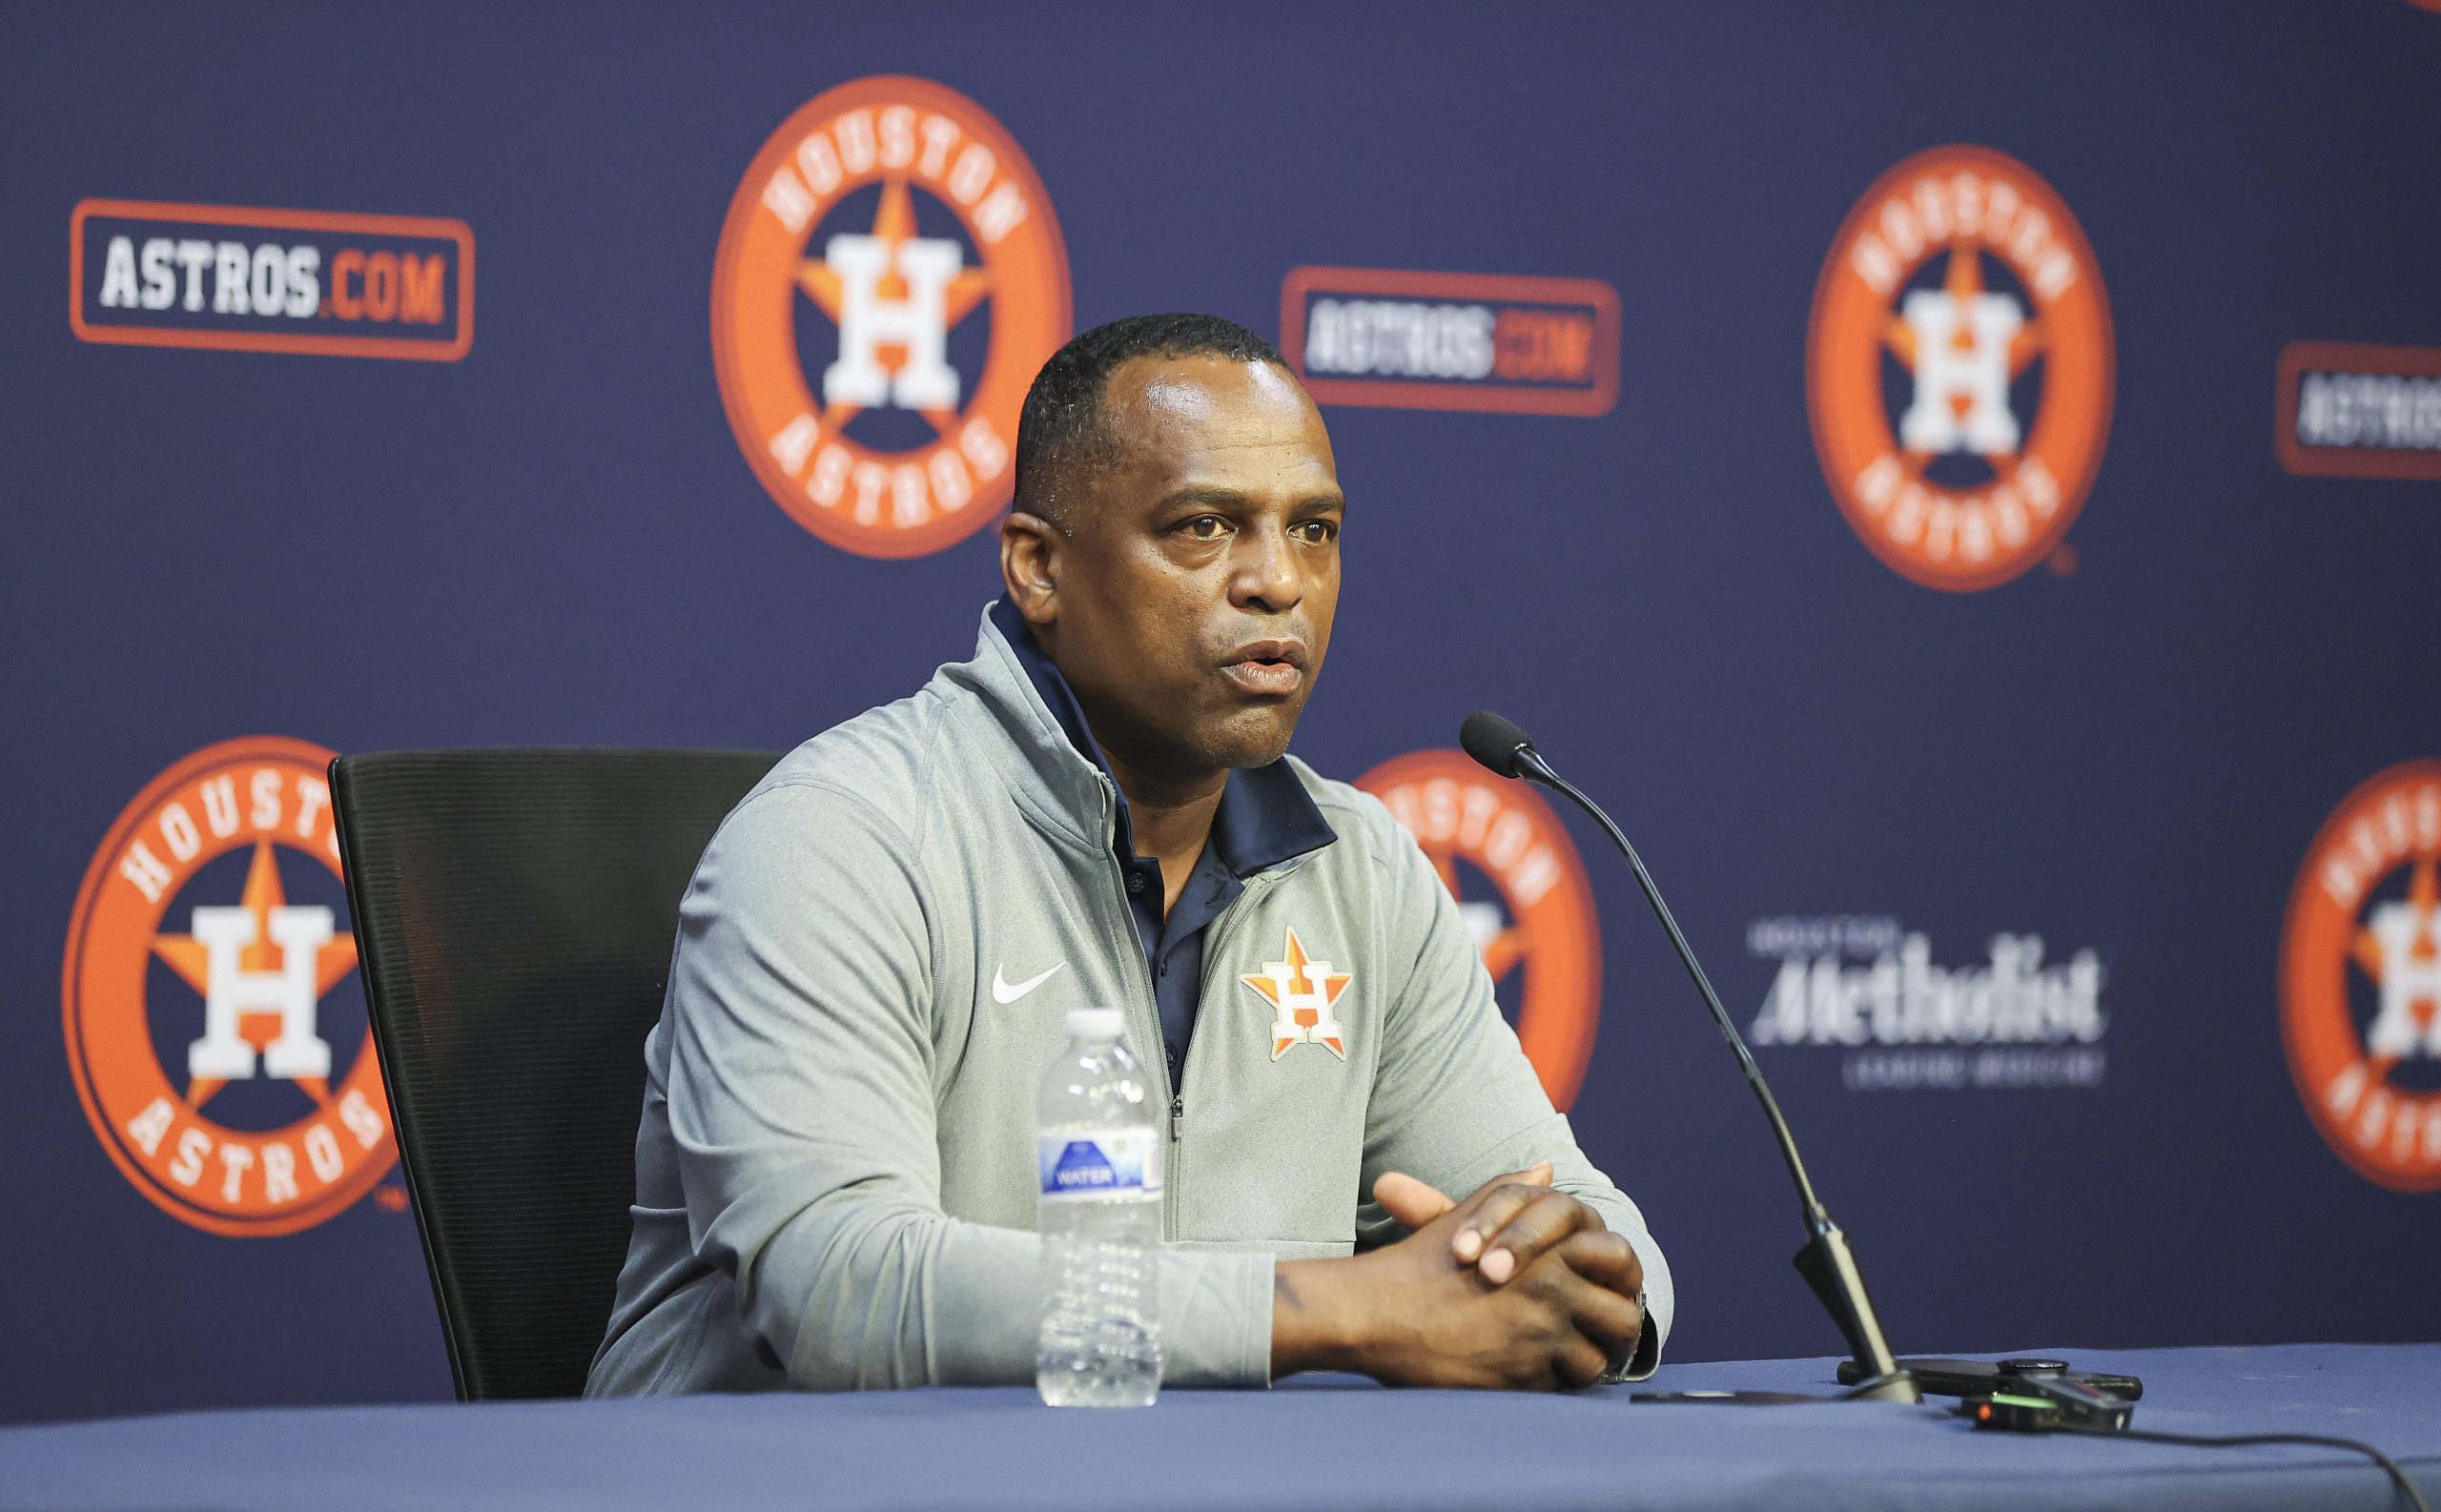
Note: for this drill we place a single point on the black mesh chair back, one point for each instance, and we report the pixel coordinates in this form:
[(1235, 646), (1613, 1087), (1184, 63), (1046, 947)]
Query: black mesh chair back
[(514, 911)]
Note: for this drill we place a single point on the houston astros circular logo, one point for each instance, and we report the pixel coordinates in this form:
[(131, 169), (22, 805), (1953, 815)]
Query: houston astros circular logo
[(215, 1029), (2360, 979), (1522, 890), (889, 280), (1958, 368)]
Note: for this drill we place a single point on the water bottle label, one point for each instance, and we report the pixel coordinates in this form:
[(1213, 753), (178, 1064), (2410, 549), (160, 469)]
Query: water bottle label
[(1114, 1162)]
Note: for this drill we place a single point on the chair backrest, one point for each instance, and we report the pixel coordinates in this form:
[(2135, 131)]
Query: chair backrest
[(514, 911)]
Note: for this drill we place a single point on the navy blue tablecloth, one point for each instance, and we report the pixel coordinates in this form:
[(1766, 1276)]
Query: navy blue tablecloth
[(1325, 1443)]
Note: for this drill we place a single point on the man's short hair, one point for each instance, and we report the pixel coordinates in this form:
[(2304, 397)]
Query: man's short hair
[(1060, 436)]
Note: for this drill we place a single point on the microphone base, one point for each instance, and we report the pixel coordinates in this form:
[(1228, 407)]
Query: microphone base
[(1897, 1386), (1830, 1268)]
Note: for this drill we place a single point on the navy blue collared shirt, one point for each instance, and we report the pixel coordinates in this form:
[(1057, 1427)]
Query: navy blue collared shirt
[(1265, 817)]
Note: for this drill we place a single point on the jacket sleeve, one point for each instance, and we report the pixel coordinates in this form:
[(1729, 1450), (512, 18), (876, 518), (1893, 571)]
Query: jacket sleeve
[(802, 1103), (1455, 1101)]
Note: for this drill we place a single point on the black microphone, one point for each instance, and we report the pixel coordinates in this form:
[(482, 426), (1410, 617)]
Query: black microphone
[(1495, 741), (1826, 1263)]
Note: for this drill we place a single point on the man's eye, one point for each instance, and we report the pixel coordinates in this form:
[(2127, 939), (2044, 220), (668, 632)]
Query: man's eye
[(1205, 527), (1317, 531)]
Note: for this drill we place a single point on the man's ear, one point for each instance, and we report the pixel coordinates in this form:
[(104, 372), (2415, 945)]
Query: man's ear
[(1030, 565)]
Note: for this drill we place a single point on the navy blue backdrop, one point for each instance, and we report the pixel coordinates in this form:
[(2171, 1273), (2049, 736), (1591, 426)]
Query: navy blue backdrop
[(2127, 748)]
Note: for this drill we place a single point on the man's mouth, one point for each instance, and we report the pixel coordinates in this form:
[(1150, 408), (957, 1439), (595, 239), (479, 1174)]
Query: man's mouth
[(1268, 668)]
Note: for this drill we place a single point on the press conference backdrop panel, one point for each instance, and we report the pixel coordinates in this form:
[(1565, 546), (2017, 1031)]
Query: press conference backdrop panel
[(1958, 481)]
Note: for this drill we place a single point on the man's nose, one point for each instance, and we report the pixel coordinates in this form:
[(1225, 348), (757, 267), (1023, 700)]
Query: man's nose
[(1268, 577)]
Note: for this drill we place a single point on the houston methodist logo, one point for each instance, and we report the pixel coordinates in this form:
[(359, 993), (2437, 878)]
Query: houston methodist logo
[(197, 986), (1532, 911), (1958, 368), (1452, 341), (1870, 987), (2360, 979), (889, 280), (316, 281)]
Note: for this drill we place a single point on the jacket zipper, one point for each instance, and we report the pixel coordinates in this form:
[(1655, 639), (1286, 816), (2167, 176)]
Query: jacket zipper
[(1217, 935), (1149, 997)]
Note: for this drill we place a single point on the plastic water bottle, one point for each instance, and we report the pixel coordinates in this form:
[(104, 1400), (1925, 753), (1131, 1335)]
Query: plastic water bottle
[(1098, 1151)]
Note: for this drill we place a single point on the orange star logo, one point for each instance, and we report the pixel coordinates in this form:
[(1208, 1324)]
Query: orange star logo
[(2347, 930), (925, 159), (894, 224), (1531, 912), (1963, 280), (272, 975), (2010, 480), (192, 960), (1303, 990)]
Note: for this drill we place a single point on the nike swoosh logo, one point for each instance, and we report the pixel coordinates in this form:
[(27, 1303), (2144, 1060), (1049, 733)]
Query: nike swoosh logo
[(1003, 992)]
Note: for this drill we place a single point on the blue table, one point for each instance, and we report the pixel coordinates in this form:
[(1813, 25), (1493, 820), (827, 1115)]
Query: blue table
[(1329, 1444)]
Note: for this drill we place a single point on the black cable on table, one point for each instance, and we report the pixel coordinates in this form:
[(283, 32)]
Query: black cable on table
[(2415, 1498)]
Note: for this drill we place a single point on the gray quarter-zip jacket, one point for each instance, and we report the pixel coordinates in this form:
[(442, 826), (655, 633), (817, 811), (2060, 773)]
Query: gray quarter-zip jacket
[(835, 1175)]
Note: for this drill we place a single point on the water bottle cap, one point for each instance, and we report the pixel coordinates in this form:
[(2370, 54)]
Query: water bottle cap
[(1096, 1023)]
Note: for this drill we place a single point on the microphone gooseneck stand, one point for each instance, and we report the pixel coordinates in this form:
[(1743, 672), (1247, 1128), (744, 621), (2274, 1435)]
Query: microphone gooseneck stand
[(1826, 1263)]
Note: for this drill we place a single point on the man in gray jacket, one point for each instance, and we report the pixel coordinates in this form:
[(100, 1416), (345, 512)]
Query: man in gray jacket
[(835, 1177)]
